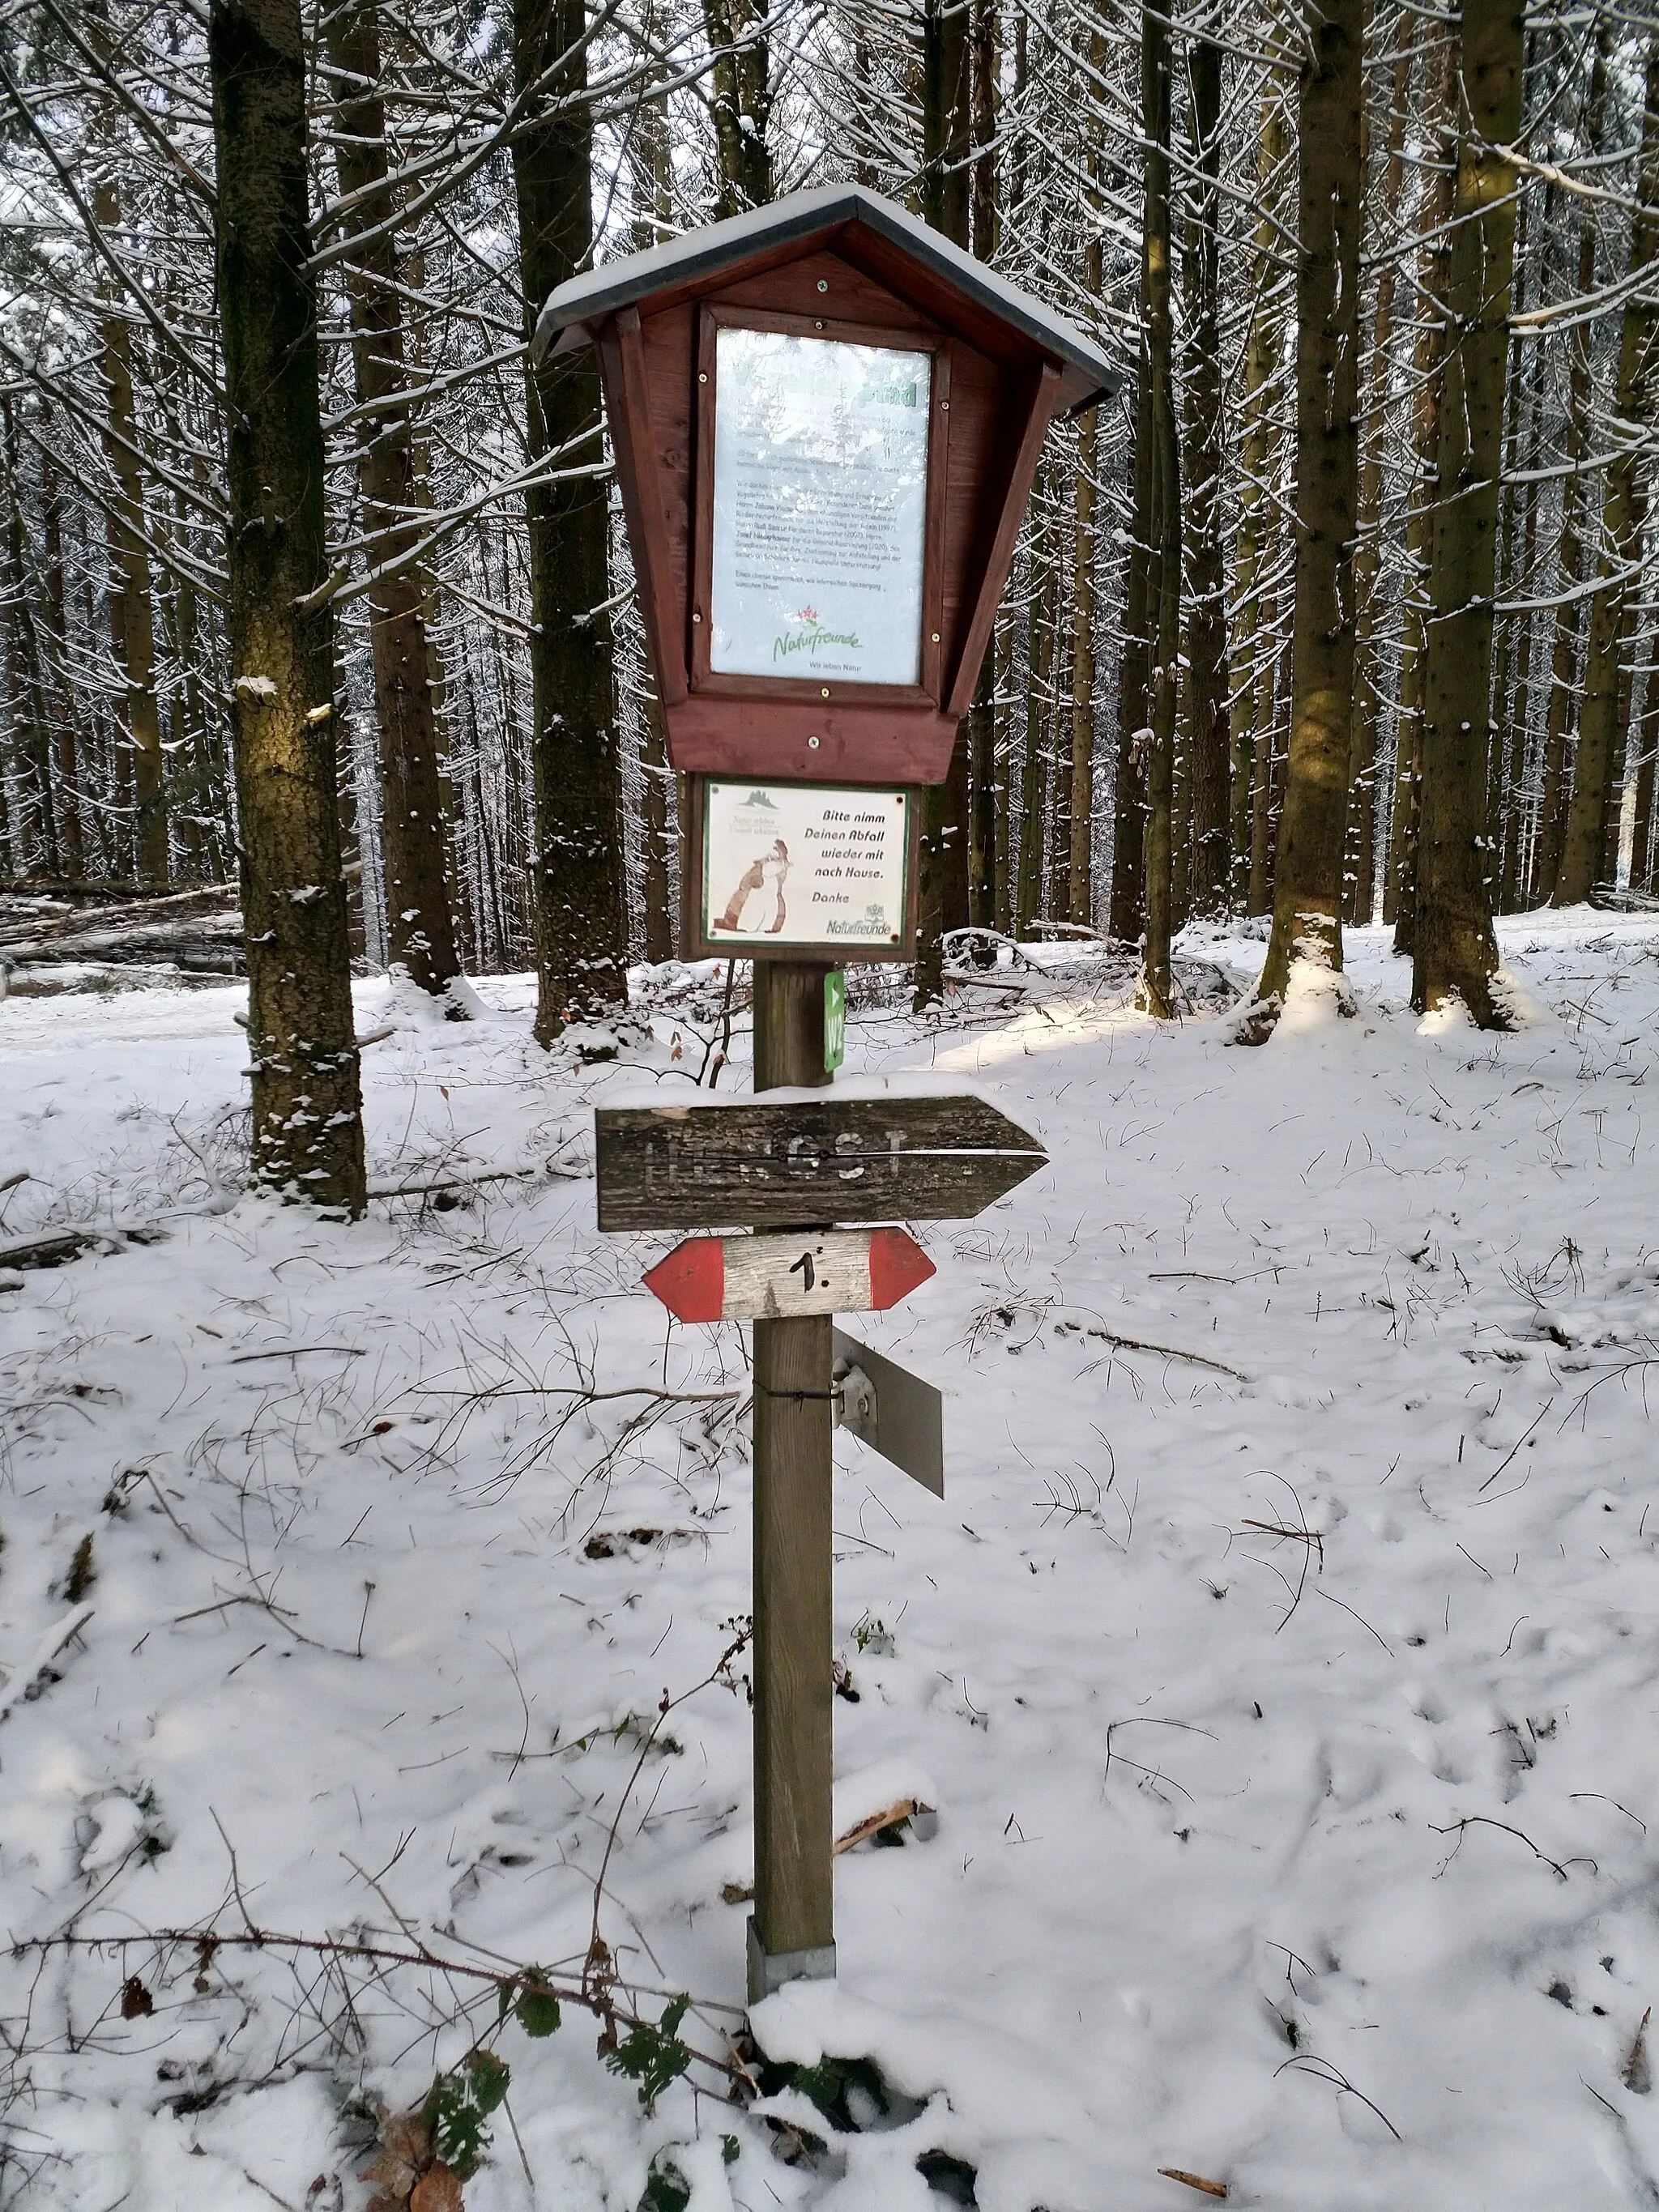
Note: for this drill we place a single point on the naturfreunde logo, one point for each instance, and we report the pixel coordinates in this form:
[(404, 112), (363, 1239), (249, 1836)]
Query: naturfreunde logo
[(873, 923), (811, 636)]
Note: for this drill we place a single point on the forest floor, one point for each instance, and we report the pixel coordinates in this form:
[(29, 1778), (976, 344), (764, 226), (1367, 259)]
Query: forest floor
[(1281, 1662)]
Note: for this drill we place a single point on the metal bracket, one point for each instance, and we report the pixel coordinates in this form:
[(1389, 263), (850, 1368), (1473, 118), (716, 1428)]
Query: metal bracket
[(770, 1970), (894, 1412)]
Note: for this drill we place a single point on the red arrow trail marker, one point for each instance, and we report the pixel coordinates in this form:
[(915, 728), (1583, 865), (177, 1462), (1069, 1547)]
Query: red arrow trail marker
[(769, 1278)]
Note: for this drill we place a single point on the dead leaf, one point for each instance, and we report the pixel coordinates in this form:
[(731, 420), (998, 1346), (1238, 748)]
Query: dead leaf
[(405, 2149), (1195, 2181), (1637, 2073), (136, 2002), (437, 2191)]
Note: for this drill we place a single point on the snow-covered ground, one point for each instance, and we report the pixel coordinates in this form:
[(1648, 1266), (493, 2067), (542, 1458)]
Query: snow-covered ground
[(1286, 1679)]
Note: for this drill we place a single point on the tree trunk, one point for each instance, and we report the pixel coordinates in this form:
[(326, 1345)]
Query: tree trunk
[(736, 30), (132, 598), (1598, 770), (70, 837), (1647, 732), (1428, 360), (653, 216), (1574, 511), (947, 140), (420, 926), (1506, 765), (1128, 915), (307, 1114), (1260, 363), (1040, 667), (1308, 885), (1359, 871), (983, 765), (31, 729), (1456, 952), (1079, 860), (1002, 656), (580, 904), (1207, 724), (1157, 992)]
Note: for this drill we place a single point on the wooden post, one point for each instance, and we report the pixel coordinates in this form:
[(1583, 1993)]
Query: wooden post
[(792, 1933)]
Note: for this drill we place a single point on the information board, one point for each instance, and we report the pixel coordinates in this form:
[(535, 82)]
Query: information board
[(820, 503), (796, 867)]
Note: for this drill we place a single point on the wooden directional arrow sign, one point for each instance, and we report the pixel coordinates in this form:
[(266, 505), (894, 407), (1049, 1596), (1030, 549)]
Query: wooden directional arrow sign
[(815, 1157), (826, 1271)]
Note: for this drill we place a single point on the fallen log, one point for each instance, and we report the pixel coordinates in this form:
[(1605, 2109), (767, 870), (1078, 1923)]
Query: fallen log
[(21, 935)]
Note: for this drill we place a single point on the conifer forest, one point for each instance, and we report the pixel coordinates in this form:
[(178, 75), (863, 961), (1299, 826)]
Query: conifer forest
[(507, 1705), (1341, 610)]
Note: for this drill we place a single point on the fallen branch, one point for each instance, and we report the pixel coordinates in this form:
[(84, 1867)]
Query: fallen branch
[(1168, 1351), (205, 1941), (1484, 1821), (457, 1182), (54, 1251)]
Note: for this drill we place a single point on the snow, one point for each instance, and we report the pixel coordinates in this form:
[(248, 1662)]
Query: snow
[(1291, 1717)]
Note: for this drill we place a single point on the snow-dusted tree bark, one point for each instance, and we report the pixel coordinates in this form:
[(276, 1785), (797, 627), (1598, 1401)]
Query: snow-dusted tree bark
[(1039, 671), (1204, 681), (1080, 859), (131, 598), (1428, 359), (60, 682), (1589, 853), (307, 1113), (742, 102), (1564, 700), (651, 160), (1456, 951), (1156, 413), (1308, 888), (985, 798), (946, 141), (1360, 866), (1260, 361), (420, 928), (31, 730), (580, 910)]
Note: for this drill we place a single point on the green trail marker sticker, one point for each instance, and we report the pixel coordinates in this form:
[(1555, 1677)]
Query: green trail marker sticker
[(835, 1020)]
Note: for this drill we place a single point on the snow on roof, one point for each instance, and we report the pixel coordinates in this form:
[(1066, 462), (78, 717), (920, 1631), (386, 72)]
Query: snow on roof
[(573, 312)]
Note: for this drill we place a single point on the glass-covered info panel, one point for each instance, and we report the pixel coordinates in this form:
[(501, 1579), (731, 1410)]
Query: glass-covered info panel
[(820, 505)]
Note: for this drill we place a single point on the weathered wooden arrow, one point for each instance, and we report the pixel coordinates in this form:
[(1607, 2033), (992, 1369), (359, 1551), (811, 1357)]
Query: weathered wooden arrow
[(776, 1165), (765, 1277)]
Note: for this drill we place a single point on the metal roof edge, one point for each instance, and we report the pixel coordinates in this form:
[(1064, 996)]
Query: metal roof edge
[(572, 312)]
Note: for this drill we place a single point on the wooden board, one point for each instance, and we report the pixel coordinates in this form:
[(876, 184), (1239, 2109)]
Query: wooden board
[(770, 1277), (764, 1165), (696, 945)]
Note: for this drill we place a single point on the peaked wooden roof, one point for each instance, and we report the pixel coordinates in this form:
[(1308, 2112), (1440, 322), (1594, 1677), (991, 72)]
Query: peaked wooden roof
[(891, 245)]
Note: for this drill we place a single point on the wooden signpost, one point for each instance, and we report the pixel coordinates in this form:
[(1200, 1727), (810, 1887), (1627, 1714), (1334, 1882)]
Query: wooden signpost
[(826, 421)]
